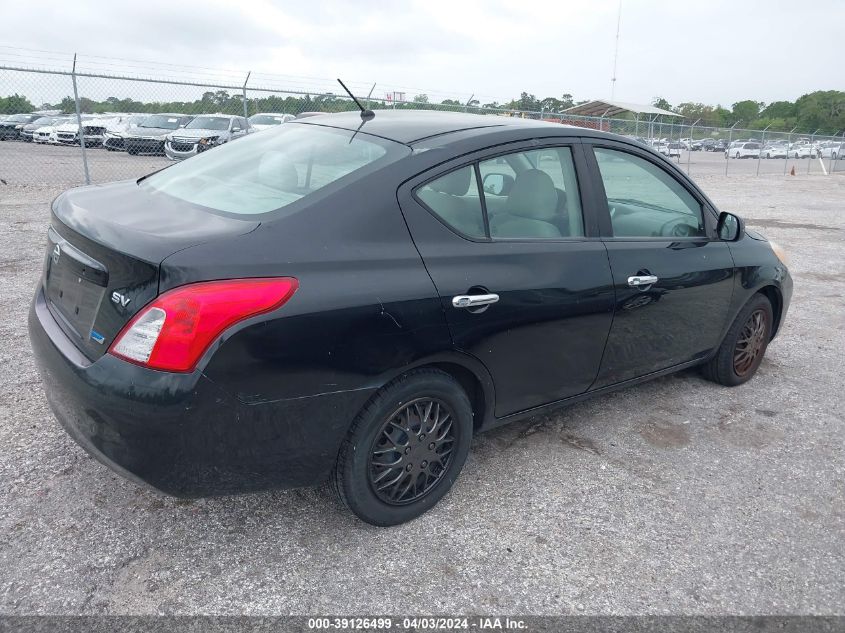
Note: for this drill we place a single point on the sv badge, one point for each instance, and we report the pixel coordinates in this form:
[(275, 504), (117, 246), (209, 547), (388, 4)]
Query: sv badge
[(121, 300)]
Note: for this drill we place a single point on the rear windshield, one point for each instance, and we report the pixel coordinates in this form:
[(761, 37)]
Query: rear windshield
[(265, 172)]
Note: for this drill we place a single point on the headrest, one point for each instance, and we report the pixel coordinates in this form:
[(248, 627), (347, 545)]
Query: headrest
[(455, 183), (533, 196)]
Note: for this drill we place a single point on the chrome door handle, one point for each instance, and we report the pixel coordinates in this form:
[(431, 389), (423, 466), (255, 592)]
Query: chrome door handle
[(473, 301), (639, 281)]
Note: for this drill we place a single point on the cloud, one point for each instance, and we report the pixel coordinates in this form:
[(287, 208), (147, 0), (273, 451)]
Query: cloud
[(494, 48)]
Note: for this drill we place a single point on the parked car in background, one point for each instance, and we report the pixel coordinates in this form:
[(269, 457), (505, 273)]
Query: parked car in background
[(833, 149), (203, 133), (803, 150), (266, 120), (774, 150), (93, 127), (220, 327), (149, 135), (10, 129), (113, 136), (744, 150), (47, 133), (28, 130), (670, 149)]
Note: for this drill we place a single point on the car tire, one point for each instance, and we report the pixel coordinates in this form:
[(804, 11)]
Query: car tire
[(742, 350), (418, 415)]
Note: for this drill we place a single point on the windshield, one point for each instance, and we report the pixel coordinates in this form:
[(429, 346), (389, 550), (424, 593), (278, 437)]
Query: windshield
[(267, 119), (164, 121), (209, 123), (45, 120), (19, 117), (265, 172)]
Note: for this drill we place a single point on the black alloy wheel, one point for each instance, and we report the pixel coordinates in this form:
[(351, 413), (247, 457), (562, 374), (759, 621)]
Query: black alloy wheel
[(405, 448), (412, 451)]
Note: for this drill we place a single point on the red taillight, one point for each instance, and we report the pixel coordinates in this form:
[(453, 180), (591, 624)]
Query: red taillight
[(173, 331)]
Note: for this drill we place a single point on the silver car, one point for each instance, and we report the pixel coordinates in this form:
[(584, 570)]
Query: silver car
[(149, 136), (203, 133)]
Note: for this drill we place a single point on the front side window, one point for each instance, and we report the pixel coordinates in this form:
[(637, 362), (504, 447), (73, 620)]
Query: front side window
[(646, 201), (455, 200), (265, 172), (532, 195)]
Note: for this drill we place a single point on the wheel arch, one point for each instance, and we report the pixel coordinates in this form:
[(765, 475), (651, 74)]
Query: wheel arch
[(469, 373), (772, 293)]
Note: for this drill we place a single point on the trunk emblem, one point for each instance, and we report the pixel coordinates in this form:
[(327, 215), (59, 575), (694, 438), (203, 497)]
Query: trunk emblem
[(121, 300), (57, 252)]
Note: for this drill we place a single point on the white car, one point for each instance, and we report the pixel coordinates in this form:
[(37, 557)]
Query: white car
[(745, 150), (776, 150), (94, 128), (47, 133), (266, 120), (803, 150), (833, 149), (669, 149), (113, 137)]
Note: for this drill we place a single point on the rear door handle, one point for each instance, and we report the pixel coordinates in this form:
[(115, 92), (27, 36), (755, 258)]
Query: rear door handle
[(638, 281), (473, 301)]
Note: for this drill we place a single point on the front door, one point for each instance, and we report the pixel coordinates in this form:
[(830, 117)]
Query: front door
[(673, 277), (524, 288)]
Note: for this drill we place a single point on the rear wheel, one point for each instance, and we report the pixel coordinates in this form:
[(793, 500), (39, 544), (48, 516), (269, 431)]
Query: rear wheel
[(744, 346), (405, 449)]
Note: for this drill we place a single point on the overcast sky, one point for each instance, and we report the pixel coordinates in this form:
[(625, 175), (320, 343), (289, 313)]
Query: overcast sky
[(719, 51)]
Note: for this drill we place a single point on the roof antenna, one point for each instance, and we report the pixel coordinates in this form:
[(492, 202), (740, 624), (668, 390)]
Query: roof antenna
[(366, 114)]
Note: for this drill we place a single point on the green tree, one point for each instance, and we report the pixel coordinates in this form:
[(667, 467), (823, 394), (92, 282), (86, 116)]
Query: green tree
[(746, 111), (15, 104), (421, 98), (660, 102)]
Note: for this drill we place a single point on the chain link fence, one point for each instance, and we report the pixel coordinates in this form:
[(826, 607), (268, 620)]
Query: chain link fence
[(98, 127)]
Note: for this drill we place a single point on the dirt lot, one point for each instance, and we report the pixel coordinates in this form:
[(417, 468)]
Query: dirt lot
[(677, 496)]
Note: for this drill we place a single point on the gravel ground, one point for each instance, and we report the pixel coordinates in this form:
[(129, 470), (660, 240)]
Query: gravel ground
[(678, 496)]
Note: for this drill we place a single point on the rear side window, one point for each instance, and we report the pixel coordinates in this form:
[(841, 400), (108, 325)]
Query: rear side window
[(266, 172), (527, 195), (532, 195), (454, 199)]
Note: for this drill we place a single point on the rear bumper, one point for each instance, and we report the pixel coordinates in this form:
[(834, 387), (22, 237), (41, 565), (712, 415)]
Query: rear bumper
[(181, 433)]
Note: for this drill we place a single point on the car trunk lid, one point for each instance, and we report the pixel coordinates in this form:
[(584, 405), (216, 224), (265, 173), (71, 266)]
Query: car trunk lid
[(105, 247)]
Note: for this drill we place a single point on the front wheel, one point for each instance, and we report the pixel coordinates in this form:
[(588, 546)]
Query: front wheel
[(744, 346), (405, 448)]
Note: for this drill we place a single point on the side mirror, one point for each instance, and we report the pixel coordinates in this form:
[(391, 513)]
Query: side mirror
[(497, 184), (730, 227), (236, 129)]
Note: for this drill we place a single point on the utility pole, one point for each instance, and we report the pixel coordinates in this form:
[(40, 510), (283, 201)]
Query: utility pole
[(616, 52)]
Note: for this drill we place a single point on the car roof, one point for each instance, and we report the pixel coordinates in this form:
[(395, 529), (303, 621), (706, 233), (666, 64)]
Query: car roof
[(410, 127)]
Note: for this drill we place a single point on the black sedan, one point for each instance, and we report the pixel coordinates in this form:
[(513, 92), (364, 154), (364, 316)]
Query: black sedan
[(10, 128), (350, 300)]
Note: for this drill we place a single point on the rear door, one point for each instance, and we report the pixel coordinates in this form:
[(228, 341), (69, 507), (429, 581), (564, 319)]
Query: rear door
[(672, 276), (522, 274)]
